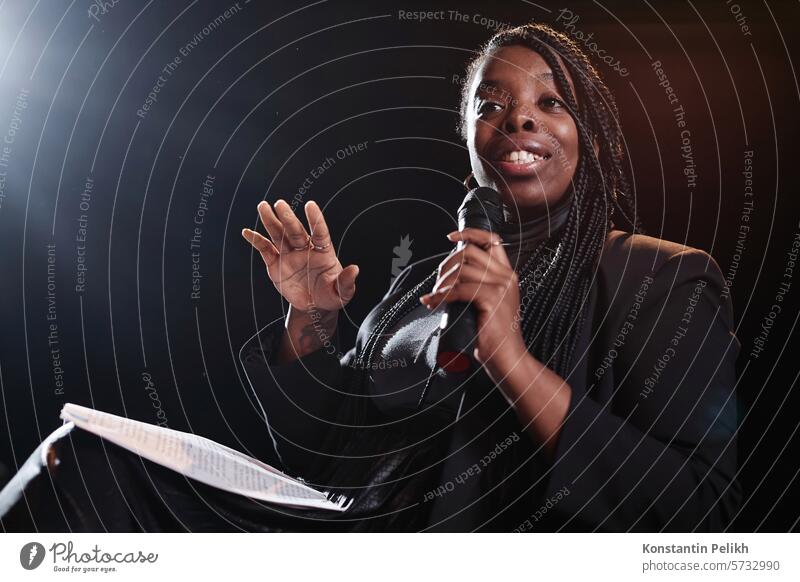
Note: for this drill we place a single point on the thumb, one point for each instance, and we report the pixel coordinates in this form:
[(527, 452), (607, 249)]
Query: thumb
[(346, 283)]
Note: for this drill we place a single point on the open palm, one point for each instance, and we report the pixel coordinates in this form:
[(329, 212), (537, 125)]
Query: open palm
[(303, 268)]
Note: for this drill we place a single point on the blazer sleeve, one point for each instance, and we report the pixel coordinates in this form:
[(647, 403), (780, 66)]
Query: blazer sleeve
[(660, 455), (299, 400)]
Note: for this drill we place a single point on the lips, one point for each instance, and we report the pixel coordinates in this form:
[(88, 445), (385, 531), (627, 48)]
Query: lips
[(520, 157)]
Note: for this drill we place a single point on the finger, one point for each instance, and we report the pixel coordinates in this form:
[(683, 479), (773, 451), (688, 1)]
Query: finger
[(263, 245), (480, 294), (270, 222), (320, 235), (346, 283), (490, 241), (475, 255), (295, 235), (476, 235), (469, 274)]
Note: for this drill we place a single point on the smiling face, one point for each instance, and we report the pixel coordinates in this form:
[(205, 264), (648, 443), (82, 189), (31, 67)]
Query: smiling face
[(522, 140)]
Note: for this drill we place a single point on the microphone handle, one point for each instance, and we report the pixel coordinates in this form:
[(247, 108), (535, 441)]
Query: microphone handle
[(457, 330), (456, 341)]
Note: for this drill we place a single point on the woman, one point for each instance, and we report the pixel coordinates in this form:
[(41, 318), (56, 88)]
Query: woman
[(603, 393)]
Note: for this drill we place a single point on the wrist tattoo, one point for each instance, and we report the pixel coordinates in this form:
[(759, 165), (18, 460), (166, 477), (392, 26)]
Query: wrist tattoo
[(318, 332)]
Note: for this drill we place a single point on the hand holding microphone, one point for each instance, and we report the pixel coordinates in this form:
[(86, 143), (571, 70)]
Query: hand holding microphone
[(481, 291)]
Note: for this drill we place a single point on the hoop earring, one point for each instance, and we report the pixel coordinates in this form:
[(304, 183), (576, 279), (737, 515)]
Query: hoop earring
[(469, 177)]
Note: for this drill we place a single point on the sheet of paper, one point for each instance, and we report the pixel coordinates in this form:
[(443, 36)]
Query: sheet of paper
[(200, 458)]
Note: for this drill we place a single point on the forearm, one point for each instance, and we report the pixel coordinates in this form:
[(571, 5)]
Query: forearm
[(539, 396), (306, 332)]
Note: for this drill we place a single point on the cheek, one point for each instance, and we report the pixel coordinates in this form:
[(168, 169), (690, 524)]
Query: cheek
[(567, 135), (479, 135), (476, 144)]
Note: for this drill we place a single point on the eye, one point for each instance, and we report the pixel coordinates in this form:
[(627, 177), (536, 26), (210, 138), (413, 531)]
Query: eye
[(489, 107), (552, 102)]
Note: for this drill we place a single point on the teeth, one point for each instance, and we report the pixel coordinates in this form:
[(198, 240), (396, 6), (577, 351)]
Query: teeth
[(521, 157)]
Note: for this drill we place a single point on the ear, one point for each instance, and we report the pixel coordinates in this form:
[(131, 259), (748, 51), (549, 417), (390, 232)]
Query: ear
[(596, 146)]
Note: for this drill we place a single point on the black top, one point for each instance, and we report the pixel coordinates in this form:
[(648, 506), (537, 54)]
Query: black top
[(648, 443)]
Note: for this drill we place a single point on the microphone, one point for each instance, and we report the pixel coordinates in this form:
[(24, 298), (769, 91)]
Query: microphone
[(482, 208)]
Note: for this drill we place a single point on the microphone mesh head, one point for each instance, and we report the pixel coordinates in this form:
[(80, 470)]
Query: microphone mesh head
[(482, 208)]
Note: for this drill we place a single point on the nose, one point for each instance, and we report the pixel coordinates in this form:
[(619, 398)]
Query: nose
[(519, 120)]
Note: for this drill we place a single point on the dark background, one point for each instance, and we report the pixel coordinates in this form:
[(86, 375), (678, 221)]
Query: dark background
[(260, 102)]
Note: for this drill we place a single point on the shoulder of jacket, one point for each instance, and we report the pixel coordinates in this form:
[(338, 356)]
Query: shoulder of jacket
[(640, 254), (633, 262)]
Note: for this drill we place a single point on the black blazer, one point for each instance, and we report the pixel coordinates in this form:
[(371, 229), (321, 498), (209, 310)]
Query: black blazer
[(649, 440)]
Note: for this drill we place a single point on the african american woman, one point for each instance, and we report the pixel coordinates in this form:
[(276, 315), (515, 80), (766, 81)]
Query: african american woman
[(602, 397), (605, 395)]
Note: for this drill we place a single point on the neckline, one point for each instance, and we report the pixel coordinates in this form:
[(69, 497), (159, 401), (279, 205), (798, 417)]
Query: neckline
[(535, 229)]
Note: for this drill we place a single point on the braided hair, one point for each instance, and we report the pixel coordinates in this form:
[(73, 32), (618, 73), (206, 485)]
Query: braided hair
[(551, 322)]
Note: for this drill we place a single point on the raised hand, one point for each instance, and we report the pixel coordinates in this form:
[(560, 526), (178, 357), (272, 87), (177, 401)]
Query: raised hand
[(303, 268)]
